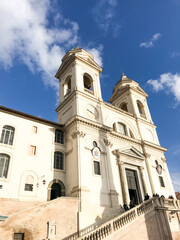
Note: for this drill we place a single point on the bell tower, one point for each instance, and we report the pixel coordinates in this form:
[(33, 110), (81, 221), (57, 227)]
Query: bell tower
[(78, 78), (130, 97)]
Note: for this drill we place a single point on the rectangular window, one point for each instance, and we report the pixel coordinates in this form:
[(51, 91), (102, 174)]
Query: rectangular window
[(4, 165), (97, 170), (18, 236), (58, 160), (33, 150), (59, 136), (161, 181), (34, 129), (28, 187)]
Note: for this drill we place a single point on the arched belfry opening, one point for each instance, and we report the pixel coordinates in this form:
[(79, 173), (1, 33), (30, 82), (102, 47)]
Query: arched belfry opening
[(123, 106), (88, 82), (56, 189), (67, 85), (140, 108)]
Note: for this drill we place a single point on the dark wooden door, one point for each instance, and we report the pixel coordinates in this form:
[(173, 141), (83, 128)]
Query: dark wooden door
[(133, 186)]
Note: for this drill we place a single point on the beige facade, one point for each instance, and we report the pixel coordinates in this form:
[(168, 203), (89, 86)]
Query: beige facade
[(105, 155)]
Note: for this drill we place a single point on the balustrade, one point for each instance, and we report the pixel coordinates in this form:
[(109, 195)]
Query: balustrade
[(100, 232)]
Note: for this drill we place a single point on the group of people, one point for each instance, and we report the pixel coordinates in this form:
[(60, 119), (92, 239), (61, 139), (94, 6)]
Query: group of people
[(146, 197), (131, 204)]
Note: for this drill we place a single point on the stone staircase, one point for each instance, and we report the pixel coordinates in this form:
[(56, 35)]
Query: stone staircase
[(108, 229)]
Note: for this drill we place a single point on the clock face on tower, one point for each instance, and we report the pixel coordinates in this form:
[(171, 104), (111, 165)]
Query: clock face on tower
[(91, 112)]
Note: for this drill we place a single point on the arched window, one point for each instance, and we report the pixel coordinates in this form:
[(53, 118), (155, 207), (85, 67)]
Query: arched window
[(140, 108), (29, 183), (121, 128), (56, 189), (58, 160), (7, 135), (59, 136), (4, 165), (123, 106), (131, 134), (67, 86), (114, 127), (88, 82)]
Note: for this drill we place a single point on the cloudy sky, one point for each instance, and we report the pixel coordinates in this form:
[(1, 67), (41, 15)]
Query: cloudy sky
[(140, 38)]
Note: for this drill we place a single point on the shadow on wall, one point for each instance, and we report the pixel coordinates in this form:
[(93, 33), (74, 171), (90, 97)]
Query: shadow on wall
[(107, 180)]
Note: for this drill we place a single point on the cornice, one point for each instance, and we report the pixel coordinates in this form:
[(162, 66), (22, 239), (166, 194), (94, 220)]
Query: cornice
[(152, 145), (122, 91), (95, 125), (139, 92), (145, 121), (90, 64), (136, 154), (71, 59), (124, 137), (75, 93), (125, 89), (78, 119), (132, 156), (28, 116), (65, 66), (118, 110), (68, 99)]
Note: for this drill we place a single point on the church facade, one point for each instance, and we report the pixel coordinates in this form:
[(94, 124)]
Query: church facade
[(105, 155)]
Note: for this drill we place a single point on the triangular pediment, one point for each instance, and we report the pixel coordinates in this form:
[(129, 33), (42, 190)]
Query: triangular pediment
[(133, 152), (89, 60), (140, 90), (80, 54)]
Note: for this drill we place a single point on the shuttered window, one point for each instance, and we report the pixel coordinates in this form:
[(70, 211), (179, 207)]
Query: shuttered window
[(58, 160), (4, 165), (97, 169), (7, 135)]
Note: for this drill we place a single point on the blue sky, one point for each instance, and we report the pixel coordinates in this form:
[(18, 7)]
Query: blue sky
[(140, 38)]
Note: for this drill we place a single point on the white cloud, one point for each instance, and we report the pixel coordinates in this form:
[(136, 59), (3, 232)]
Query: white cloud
[(27, 35), (104, 14), (167, 82), (150, 43), (97, 53), (175, 176)]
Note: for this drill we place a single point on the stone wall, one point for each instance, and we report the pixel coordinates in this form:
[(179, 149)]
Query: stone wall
[(10, 206), (33, 222)]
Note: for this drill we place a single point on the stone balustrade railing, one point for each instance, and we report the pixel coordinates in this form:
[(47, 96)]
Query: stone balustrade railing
[(120, 221), (81, 232), (171, 203)]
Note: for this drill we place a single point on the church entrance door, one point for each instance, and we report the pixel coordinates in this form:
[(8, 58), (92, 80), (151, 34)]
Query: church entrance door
[(133, 186), (55, 191)]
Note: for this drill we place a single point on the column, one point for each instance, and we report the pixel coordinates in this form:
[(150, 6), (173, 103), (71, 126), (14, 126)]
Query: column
[(141, 169), (149, 172), (122, 178)]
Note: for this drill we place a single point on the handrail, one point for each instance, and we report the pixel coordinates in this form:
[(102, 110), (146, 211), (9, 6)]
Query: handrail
[(123, 219)]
